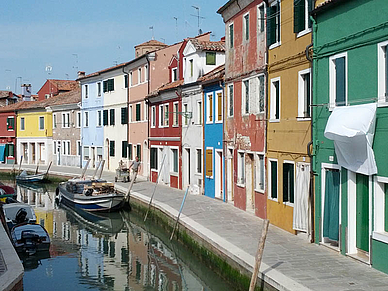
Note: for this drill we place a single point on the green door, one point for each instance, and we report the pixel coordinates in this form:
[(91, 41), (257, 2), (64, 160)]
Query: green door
[(362, 212), (331, 205)]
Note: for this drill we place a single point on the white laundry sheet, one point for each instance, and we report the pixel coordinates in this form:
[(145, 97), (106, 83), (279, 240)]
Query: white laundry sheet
[(352, 129)]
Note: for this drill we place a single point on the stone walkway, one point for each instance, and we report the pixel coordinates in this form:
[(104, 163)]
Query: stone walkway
[(289, 262)]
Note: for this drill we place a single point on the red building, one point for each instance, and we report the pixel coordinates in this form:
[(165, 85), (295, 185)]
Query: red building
[(54, 87), (245, 122), (8, 133)]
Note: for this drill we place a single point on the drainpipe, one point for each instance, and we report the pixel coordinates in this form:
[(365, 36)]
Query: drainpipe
[(148, 113)]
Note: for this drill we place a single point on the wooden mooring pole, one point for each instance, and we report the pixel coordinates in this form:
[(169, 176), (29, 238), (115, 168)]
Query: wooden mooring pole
[(179, 214), (259, 255)]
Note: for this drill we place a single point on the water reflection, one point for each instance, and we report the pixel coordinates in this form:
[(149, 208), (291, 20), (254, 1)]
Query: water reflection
[(105, 252)]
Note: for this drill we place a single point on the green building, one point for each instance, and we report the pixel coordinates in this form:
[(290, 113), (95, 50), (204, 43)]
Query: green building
[(350, 128)]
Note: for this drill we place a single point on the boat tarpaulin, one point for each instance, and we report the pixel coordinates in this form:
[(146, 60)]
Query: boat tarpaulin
[(352, 129)]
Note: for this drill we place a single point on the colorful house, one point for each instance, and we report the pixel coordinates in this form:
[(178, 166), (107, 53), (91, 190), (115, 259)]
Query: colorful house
[(245, 103), (212, 85), (53, 87), (351, 213), (8, 98), (34, 132)]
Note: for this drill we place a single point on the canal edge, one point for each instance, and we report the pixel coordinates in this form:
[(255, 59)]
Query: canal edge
[(234, 256)]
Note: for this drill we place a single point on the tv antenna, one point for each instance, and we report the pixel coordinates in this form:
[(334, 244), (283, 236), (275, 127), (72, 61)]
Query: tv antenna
[(198, 17), (176, 27), (152, 28)]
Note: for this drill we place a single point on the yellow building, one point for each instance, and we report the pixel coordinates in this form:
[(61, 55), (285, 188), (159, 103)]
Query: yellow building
[(35, 132), (289, 114)]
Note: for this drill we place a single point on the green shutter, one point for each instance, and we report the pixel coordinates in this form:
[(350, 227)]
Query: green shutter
[(269, 26), (386, 208), (105, 86), (130, 151), (231, 35), (262, 17), (112, 117), (126, 81), (362, 212), (246, 20), (274, 179), (386, 71), (138, 112), (105, 117), (124, 149), (277, 92), (299, 15), (124, 115), (210, 58), (111, 84), (154, 158), (340, 82), (138, 151), (288, 183), (112, 148), (331, 206), (310, 7)]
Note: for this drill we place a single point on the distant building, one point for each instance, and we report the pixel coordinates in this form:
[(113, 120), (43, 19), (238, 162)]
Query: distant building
[(8, 97), (53, 87), (149, 46)]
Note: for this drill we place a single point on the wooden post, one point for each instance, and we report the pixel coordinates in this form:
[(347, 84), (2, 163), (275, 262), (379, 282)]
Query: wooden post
[(48, 169), (20, 165), (95, 171), (259, 255), (101, 169), (37, 167), (130, 185), (179, 214), (85, 168)]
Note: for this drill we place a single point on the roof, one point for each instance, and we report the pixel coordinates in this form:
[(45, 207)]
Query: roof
[(208, 45), (226, 5), (151, 42), (325, 5), (64, 85), (12, 107), (166, 87), (70, 97), (6, 94), (215, 74), (108, 69)]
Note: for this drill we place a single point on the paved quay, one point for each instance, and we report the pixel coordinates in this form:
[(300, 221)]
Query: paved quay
[(289, 262)]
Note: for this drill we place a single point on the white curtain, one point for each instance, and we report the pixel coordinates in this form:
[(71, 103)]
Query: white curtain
[(301, 211)]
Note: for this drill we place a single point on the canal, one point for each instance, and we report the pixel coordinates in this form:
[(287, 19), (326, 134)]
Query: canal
[(113, 251)]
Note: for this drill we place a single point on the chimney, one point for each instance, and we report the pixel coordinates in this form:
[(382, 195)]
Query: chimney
[(81, 74)]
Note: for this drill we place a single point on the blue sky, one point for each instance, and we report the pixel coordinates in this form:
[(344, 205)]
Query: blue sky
[(90, 35)]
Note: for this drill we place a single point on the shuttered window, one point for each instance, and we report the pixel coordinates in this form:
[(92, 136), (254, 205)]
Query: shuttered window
[(10, 123), (273, 23), (274, 179), (288, 182), (219, 106), (112, 116), (109, 85), (130, 155), (246, 97), (210, 58), (124, 115), (199, 161), (246, 27), (154, 158), (231, 100), (124, 149), (138, 112), (209, 162), (261, 93), (386, 208), (105, 117), (210, 107), (301, 15), (386, 71), (174, 160), (175, 114), (138, 151), (112, 148), (126, 81), (340, 82), (231, 36)]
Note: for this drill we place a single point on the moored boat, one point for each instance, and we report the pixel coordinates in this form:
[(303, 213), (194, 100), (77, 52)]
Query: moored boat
[(18, 213), (90, 195), (24, 177), (30, 238)]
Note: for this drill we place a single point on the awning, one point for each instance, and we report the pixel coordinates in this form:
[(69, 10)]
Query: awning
[(352, 129)]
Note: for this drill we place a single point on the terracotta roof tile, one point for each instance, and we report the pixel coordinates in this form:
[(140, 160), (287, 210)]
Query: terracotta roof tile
[(166, 87), (217, 73), (4, 94), (208, 45), (64, 85), (151, 42), (70, 97)]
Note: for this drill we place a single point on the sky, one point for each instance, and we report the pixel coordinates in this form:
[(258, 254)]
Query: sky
[(54, 39)]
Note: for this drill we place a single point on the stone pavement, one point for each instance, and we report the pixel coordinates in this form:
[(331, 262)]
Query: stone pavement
[(289, 262)]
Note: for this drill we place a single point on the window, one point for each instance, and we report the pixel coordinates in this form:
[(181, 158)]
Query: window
[(138, 151), (11, 123), (161, 115), (304, 94), (54, 147), (246, 27), (86, 91), (78, 119), (146, 73), (105, 117), (86, 153), (99, 88), (67, 144), (153, 116), (288, 182), (302, 8), (261, 94), (138, 111), (219, 106), (231, 35), (112, 116), (259, 173), (86, 115), (273, 179), (191, 68), (210, 58), (124, 115), (175, 114), (41, 123), (166, 118), (174, 162), (273, 23), (209, 162), (22, 124), (124, 149), (209, 108), (78, 147), (130, 151), (199, 112), (185, 119), (275, 99), (240, 168), (245, 99), (230, 100), (199, 161), (46, 96), (109, 85), (125, 81), (139, 75), (261, 18), (99, 118), (54, 120), (382, 65), (112, 148), (9, 150), (65, 120), (154, 158), (174, 74), (338, 80), (130, 118)]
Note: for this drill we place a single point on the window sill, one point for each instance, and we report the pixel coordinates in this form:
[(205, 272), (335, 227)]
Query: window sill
[(174, 174), (261, 191), (303, 32), (382, 104), (240, 185), (209, 177), (198, 174), (274, 120), (303, 119), (273, 199), (219, 122), (380, 236), (275, 45), (288, 204)]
